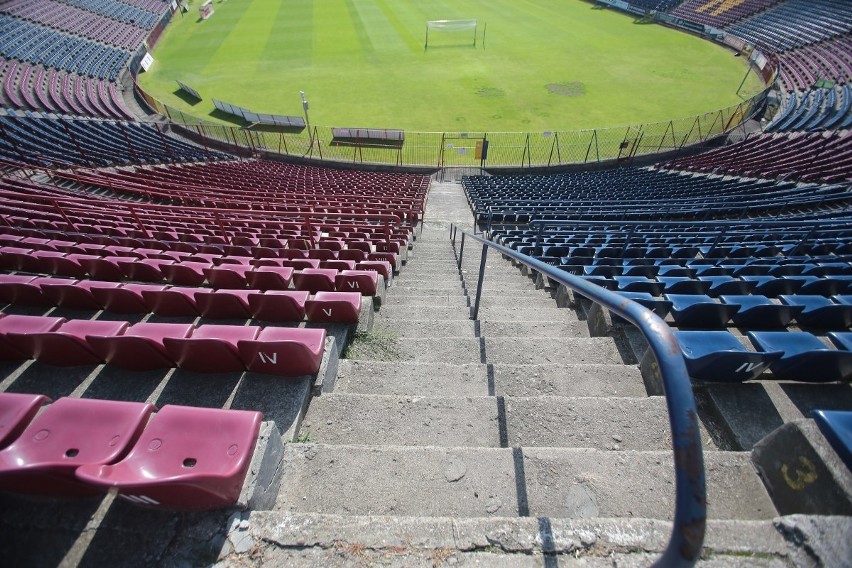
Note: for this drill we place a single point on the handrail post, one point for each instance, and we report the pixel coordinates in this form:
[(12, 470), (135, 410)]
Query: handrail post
[(461, 252), (479, 283)]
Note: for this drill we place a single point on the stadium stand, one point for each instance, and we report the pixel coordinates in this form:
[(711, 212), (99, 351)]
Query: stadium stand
[(720, 14)]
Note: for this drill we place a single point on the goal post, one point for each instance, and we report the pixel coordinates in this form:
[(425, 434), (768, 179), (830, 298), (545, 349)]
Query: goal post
[(461, 30)]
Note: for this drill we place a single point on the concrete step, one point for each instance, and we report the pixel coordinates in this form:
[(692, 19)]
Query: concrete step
[(551, 350), (426, 328), (425, 302), (556, 328), (409, 312), (520, 312), (423, 289), (450, 421), (476, 482), (404, 280), (307, 539), (567, 380), (410, 378)]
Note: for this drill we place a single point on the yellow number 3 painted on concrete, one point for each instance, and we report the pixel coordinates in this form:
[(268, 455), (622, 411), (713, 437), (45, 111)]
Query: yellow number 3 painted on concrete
[(803, 477)]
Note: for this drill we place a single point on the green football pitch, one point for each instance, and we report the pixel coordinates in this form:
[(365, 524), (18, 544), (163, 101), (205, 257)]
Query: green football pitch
[(537, 65)]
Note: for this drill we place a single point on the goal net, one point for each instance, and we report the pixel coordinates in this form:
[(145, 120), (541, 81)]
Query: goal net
[(450, 32)]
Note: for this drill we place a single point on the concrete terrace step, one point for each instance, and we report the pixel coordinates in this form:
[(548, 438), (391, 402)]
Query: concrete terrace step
[(408, 312), (427, 301), (544, 350), (452, 420), (409, 378), (426, 328), (477, 482)]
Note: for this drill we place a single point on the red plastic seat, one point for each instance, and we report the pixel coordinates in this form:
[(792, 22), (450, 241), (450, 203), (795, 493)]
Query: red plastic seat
[(314, 280), (16, 412), (75, 294), (16, 258), (144, 269), (388, 257), (70, 433), (174, 301), (63, 264), (9, 285), (352, 254), (284, 351), (381, 266), (127, 298), (334, 307), (12, 327), (300, 263), (210, 348), (270, 277), (231, 276), (363, 281), (338, 264), (106, 268), (224, 304), (66, 345), (322, 254), (187, 273), (278, 305), (140, 347), (187, 458)]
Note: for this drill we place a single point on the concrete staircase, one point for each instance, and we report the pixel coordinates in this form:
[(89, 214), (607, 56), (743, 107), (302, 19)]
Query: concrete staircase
[(504, 427)]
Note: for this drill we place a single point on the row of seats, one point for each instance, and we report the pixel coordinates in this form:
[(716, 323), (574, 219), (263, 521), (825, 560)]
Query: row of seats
[(719, 14), (177, 457), (179, 301), (795, 23), (814, 109), (210, 348), (798, 356)]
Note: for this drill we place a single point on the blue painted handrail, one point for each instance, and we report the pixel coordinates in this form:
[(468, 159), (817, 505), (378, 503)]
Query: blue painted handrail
[(690, 515)]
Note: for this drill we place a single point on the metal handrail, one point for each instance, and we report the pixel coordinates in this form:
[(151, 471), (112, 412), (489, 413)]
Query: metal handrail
[(690, 515)]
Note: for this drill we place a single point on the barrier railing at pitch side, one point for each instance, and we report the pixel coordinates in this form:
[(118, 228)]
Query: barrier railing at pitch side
[(690, 515)]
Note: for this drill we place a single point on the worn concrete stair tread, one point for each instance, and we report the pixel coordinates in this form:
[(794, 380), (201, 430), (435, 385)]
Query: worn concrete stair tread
[(542, 350), (425, 328), (403, 312), (492, 540), (411, 377), (425, 302), (475, 482), (487, 421)]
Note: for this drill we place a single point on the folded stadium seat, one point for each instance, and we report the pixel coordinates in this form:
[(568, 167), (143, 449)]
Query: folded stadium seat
[(186, 273), (842, 299), (841, 339), (749, 269), (284, 351), (278, 305), (719, 356), (322, 254), (237, 251), (675, 270), (187, 458), (333, 307), (16, 412), (66, 345), (659, 306), (388, 246), (17, 258), (224, 304), (314, 280), (788, 269), (9, 284), (144, 269), (720, 285), (210, 348), (759, 312), (683, 285), (828, 269), (13, 327), (231, 276), (602, 281), (292, 253), (173, 301), (352, 254), (700, 311), (296, 263), (270, 277), (836, 426), (819, 311), (337, 264), (125, 298), (107, 267), (69, 433), (646, 270), (638, 284), (140, 346), (773, 287), (74, 294), (827, 286), (604, 270), (230, 260), (334, 245), (63, 264), (364, 281), (805, 358)]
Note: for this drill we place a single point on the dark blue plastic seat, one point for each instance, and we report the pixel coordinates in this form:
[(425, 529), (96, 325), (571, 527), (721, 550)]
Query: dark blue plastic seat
[(720, 285), (805, 358), (772, 286), (638, 284), (836, 426), (841, 339), (719, 356), (683, 285), (759, 312), (659, 306), (700, 311), (819, 311)]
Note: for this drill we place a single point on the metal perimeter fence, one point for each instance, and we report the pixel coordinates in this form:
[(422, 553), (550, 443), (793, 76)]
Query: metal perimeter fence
[(515, 150)]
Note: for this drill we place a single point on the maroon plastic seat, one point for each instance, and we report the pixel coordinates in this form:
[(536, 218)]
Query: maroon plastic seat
[(292, 254), (186, 273), (389, 257), (270, 277), (387, 246), (16, 258), (75, 295), (322, 254), (334, 307), (16, 412), (107, 267), (224, 304), (70, 433), (314, 279), (66, 345), (174, 301), (62, 264), (187, 459), (284, 351), (363, 281), (231, 276), (127, 298), (278, 305), (9, 285), (210, 348), (144, 269), (337, 264), (300, 263), (363, 246), (140, 347), (352, 254), (231, 259), (12, 327), (381, 266)]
